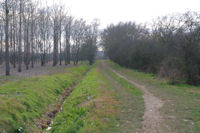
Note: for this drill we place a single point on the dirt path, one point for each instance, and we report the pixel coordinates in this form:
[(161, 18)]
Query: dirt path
[(152, 117), (127, 105)]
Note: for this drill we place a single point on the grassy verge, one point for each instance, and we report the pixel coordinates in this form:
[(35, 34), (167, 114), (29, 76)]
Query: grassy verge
[(23, 101), (138, 106), (86, 108), (131, 103), (181, 110), (95, 105)]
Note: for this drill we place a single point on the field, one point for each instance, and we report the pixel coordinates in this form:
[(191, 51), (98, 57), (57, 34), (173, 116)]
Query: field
[(102, 98)]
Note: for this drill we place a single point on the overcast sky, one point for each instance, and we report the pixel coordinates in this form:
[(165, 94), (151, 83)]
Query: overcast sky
[(113, 11)]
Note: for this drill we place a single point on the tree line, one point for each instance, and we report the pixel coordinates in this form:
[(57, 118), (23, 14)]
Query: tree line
[(169, 46), (31, 33)]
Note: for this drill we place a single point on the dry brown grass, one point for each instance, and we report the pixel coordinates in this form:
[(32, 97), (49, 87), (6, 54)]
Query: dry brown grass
[(196, 91), (103, 103)]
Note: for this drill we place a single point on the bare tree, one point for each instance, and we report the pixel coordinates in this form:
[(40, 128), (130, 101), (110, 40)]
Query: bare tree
[(38, 34), (89, 47), (1, 43), (61, 16), (13, 33), (68, 27), (26, 18), (7, 38), (78, 32), (55, 35), (33, 20), (20, 39)]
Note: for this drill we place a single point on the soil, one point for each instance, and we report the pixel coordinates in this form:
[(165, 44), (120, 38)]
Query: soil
[(36, 71), (152, 117)]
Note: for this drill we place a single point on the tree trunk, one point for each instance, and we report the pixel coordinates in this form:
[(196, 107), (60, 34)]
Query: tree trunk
[(27, 47), (11, 44), (67, 50), (60, 44), (43, 59), (14, 42), (14, 51), (60, 53), (32, 38), (55, 49), (20, 40), (1, 49), (7, 39)]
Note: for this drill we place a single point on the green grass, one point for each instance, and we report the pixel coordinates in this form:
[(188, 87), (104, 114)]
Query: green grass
[(24, 101), (72, 118), (135, 103), (137, 98), (94, 106), (84, 111), (4, 79), (181, 109), (103, 113), (81, 113)]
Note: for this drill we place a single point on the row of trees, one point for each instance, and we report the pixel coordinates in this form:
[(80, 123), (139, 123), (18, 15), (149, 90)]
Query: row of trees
[(170, 46), (31, 33)]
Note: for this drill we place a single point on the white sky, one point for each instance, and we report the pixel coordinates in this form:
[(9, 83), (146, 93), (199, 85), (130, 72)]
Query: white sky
[(114, 11)]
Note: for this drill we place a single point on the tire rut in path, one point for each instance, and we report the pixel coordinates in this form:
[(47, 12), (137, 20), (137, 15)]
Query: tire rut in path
[(152, 117)]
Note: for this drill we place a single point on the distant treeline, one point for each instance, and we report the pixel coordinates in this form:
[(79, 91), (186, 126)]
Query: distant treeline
[(169, 47)]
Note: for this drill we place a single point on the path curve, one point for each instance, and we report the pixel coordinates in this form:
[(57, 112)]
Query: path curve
[(152, 117)]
